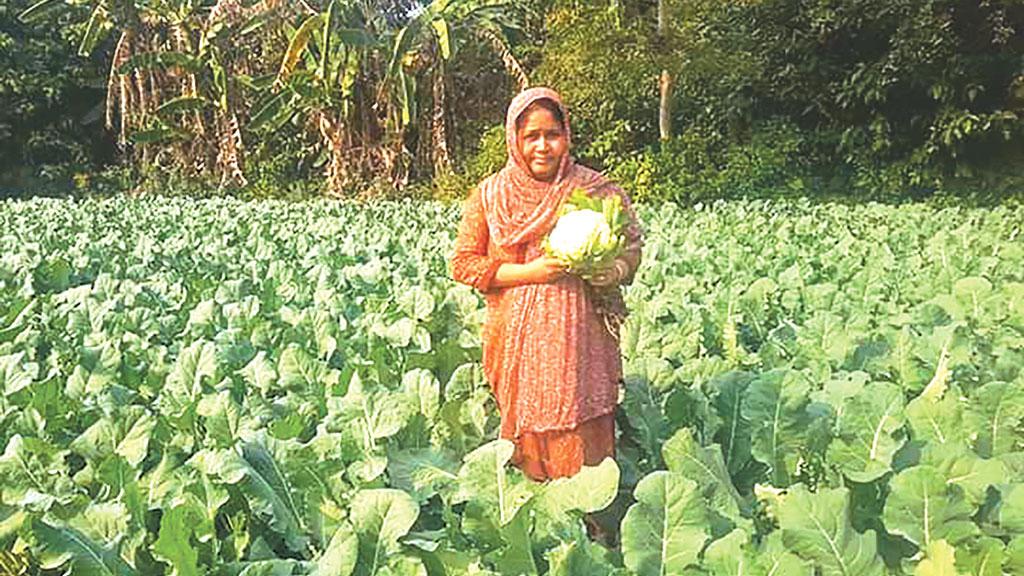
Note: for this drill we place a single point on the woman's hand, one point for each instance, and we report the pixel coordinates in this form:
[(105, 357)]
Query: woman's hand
[(541, 270), (611, 275), (545, 269)]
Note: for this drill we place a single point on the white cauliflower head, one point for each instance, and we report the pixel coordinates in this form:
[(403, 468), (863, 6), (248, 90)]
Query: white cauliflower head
[(579, 233)]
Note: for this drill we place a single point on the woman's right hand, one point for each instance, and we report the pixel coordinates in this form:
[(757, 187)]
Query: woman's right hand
[(544, 269), (540, 270)]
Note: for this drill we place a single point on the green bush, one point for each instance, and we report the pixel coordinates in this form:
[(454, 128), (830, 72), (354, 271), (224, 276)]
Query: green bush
[(490, 155), (50, 105), (884, 98), (604, 66), (487, 157), (701, 165)]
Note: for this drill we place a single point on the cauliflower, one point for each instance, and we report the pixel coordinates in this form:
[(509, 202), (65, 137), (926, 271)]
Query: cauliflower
[(588, 234), (577, 233)]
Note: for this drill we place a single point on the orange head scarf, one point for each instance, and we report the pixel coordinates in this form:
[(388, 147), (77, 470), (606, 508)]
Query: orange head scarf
[(518, 207)]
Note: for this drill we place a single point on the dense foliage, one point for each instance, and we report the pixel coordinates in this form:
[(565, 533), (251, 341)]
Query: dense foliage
[(210, 90), (862, 97), (884, 98), (268, 388), (49, 125)]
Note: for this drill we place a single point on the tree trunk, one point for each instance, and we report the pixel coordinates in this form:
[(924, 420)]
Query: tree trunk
[(665, 82), (665, 107), (439, 122), (337, 167), (229, 157)]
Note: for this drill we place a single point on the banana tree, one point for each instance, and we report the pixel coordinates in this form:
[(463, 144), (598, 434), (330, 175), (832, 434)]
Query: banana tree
[(213, 58), (127, 95), (328, 76), (175, 79), (429, 42)]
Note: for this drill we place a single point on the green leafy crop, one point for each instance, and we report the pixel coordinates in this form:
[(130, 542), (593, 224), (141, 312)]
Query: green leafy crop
[(218, 387)]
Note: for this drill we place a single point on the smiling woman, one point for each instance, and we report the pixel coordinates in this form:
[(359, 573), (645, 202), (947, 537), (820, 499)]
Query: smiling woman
[(542, 138), (553, 365)]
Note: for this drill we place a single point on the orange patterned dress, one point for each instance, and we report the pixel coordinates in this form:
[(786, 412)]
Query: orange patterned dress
[(553, 365)]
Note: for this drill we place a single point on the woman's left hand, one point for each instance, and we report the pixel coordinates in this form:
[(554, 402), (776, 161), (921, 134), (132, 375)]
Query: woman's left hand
[(608, 276)]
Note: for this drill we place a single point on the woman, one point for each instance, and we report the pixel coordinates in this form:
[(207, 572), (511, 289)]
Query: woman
[(551, 348)]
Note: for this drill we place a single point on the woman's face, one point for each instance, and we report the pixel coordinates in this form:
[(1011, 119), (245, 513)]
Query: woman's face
[(542, 143)]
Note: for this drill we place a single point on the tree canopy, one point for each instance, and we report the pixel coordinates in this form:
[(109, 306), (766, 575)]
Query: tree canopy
[(881, 98)]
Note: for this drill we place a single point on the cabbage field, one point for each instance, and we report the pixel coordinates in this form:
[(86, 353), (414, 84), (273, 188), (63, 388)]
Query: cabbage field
[(218, 387)]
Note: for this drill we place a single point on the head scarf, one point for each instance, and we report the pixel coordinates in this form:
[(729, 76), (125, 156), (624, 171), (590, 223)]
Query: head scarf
[(518, 207)]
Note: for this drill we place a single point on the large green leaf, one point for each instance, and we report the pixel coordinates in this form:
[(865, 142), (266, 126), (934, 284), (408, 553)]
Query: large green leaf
[(922, 508), (903, 361), (936, 416), (665, 531), (736, 555), (208, 497), (996, 412), (424, 391), (174, 545), (260, 372), (417, 303), (105, 523), (342, 553), (195, 367), (705, 465), (15, 373), (60, 546), (775, 405), (380, 517), (33, 473), (869, 433), (981, 557), (730, 555), (484, 480), (591, 489), (1014, 562), (837, 390), (262, 479), (224, 419), (422, 472), (128, 436), (97, 370), (272, 492), (161, 484), (579, 558), (1010, 514), (299, 370), (558, 505), (644, 415), (816, 527), (963, 468), (939, 560), (368, 416), (734, 433)]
